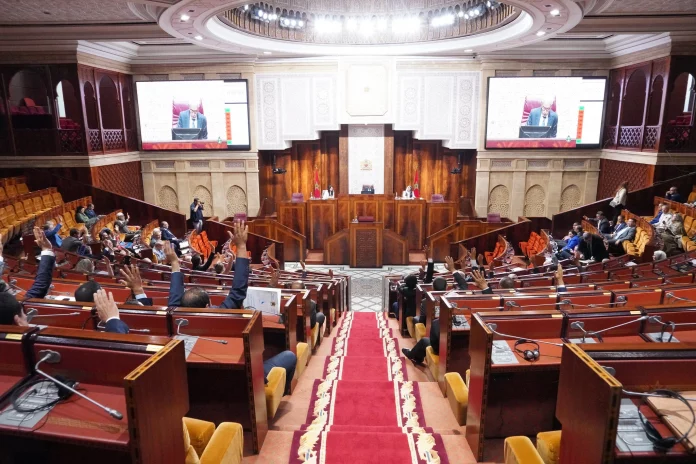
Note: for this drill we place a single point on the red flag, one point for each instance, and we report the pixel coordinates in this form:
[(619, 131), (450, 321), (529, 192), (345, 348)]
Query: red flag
[(416, 191), (317, 189)]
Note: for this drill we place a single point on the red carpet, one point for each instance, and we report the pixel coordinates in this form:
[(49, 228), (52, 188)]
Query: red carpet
[(365, 410), (364, 368)]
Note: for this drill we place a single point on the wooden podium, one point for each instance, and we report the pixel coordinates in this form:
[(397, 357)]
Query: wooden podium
[(365, 241)]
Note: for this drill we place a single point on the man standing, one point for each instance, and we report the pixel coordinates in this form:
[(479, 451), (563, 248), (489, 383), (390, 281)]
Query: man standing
[(194, 119), (51, 231), (544, 116), (602, 222), (197, 214)]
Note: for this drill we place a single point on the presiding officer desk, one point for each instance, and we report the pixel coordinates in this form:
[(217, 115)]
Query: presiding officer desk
[(128, 373)]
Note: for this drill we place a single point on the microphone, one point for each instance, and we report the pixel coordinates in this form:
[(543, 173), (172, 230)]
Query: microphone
[(579, 325), (514, 304), (53, 357), (184, 322), (619, 299), (33, 312), (492, 327), (678, 298), (102, 326)]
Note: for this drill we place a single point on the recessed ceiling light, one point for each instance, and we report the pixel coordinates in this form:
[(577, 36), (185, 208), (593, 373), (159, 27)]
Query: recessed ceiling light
[(199, 37), (555, 12), (47, 12), (540, 33), (468, 50), (267, 53), (185, 17)]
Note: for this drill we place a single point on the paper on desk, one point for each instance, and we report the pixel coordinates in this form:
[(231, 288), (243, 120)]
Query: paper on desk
[(189, 343), (677, 416), (502, 353), (264, 299)]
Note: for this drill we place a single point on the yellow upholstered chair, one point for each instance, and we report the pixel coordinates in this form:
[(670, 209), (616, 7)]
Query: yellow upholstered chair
[(692, 197), (302, 359), (275, 388), (410, 327), (22, 188), (11, 190), (3, 194), (57, 198), (520, 450), (316, 336), (433, 362), (548, 446), (420, 331), (333, 316), (204, 444), (457, 395)]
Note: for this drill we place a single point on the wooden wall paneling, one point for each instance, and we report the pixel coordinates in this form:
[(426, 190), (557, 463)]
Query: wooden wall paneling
[(439, 216), (410, 222), (403, 154), (366, 205), (293, 216), (330, 152), (343, 160), (321, 221), (294, 244), (337, 248), (343, 212), (388, 160), (262, 227), (394, 248), (388, 213), (439, 242)]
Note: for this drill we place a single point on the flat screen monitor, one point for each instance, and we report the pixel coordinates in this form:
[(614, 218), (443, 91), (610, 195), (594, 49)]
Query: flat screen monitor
[(545, 112), (194, 115)]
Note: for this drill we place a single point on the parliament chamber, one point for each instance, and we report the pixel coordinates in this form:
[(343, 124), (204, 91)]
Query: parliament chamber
[(348, 232)]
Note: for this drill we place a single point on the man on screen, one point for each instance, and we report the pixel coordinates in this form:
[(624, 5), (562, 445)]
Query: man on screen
[(193, 119), (544, 116)]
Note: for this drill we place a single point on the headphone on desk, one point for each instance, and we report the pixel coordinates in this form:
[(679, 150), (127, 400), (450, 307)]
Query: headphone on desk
[(529, 355)]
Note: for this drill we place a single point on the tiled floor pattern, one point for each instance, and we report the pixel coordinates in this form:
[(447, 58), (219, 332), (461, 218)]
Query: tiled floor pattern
[(367, 285)]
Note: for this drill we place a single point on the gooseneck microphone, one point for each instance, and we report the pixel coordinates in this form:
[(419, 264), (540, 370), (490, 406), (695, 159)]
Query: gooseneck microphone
[(53, 357), (184, 322), (672, 326), (34, 313), (678, 298), (493, 327), (102, 326), (579, 325)]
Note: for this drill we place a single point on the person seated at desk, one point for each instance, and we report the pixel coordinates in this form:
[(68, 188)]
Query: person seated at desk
[(51, 231), (544, 116), (568, 250), (131, 279), (107, 310), (82, 218), (121, 227), (86, 266), (664, 220), (439, 285), (11, 312), (315, 317), (628, 233), (674, 195), (158, 251), (672, 236), (408, 193), (657, 217), (72, 243), (192, 118), (417, 353), (618, 227), (90, 213), (592, 248), (168, 236), (408, 296), (199, 298), (601, 221)]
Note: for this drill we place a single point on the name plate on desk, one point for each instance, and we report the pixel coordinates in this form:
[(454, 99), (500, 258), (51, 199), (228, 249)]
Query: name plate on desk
[(577, 341), (189, 343), (662, 337), (502, 353)]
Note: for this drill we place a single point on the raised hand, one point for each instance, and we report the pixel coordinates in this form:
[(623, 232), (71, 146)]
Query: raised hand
[(423, 263), (169, 253), (304, 266), (241, 233), (479, 260), (132, 279), (426, 249), (449, 263), (107, 264), (41, 240), (479, 279), (106, 306), (472, 254)]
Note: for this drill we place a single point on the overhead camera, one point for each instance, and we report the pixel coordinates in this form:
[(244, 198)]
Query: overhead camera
[(279, 171)]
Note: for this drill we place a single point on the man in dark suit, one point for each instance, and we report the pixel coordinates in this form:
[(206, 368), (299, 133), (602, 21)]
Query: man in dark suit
[(131, 277), (194, 119), (544, 116), (73, 242), (601, 221), (674, 195), (626, 234), (107, 310), (10, 309), (592, 247)]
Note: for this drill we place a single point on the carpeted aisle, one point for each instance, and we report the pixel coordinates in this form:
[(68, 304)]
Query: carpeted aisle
[(364, 408)]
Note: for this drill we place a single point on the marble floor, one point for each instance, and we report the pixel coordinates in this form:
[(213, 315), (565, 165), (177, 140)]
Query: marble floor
[(367, 285)]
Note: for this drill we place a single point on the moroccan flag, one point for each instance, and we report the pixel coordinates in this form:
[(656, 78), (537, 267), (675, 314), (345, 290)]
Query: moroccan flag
[(416, 191), (317, 188)]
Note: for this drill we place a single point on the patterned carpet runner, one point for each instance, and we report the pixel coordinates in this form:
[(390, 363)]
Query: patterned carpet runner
[(365, 409)]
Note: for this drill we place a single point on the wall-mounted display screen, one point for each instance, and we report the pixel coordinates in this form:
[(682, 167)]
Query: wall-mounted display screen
[(545, 112), (194, 115)]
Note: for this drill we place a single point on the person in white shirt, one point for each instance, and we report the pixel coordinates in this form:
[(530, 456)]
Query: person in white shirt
[(619, 200), (665, 220)]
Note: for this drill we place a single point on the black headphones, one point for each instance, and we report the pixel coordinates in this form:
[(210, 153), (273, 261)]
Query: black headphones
[(665, 444), (529, 355)]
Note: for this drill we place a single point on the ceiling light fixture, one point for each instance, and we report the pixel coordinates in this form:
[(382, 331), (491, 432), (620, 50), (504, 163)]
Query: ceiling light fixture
[(185, 17), (540, 33), (199, 37), (267, 53), (555, 12)]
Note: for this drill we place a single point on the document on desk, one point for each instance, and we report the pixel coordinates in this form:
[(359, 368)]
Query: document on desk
[(189, 343), (37, 396), (630, 433), (502, 353), (266, 300), (577, 341), (677, 417)]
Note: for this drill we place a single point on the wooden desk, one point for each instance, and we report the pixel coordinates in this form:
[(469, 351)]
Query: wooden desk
[(365, 239), (124, 372)]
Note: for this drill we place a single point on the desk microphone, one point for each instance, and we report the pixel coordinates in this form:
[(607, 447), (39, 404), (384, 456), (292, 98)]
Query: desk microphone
[(619, 299), (184, 322), (53, 357), (670, 324), (515, 304), (579, 325), (674, 297), (102, 326), (33, 312), (492, 327)]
